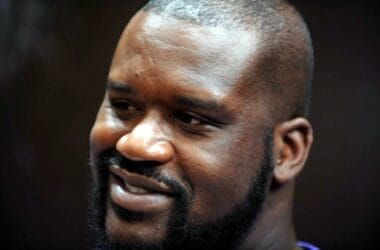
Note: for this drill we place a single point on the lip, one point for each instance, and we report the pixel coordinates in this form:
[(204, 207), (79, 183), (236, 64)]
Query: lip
[(156, 198)]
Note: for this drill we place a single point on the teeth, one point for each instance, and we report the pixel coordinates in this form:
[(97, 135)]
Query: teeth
[(134, 189)]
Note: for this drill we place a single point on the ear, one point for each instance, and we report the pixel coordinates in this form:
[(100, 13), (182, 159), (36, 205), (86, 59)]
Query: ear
[(292, 141)]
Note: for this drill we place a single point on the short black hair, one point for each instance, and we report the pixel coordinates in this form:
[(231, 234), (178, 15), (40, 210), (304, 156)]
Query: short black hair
[(233, 13), (286, 60)]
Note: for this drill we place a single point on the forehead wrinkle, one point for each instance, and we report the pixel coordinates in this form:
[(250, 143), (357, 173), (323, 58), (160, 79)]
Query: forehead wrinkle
[(210, 40), (207, 58), (204, 49)]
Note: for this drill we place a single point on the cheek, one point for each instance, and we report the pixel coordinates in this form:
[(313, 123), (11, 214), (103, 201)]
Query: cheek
[(221, 175), (105, 133)]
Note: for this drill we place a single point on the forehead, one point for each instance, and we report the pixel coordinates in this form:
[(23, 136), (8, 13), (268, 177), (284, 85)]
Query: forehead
[(164, 49)]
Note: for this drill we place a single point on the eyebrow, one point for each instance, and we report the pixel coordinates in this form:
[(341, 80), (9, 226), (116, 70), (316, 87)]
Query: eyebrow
[(196, 103), (186, 101), (120, 87)]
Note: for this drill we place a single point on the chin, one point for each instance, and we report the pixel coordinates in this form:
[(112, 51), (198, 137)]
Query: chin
[(128, 228)]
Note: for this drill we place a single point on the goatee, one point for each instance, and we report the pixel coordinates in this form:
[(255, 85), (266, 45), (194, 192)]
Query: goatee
[(226, 233)]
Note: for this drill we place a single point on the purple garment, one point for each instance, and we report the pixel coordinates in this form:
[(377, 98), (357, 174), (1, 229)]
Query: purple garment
[(307, 246)]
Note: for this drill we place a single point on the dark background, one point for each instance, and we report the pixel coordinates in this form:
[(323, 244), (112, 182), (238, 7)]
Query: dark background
[(54, 58)]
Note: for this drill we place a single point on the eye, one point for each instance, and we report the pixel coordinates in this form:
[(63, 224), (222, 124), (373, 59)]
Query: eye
[(123, 105), (188, 119), (194, 124), (123, 108)]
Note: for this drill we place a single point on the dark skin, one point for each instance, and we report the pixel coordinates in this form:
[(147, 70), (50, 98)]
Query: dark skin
[(176, 97)]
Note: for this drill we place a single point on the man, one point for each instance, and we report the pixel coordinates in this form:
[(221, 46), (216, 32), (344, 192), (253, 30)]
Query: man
[(202, 130)]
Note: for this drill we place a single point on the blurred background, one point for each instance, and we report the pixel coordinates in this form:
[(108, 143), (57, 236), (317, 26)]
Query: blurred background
[(54, 58)]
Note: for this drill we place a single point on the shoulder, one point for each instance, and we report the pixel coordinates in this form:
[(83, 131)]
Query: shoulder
[(306, 246)]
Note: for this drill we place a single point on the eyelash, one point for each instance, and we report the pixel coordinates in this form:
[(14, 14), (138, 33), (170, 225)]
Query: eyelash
[(181, 116), (202, 127), (123, 108), (187, 121)]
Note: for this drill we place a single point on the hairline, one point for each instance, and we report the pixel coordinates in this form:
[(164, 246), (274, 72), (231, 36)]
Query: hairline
[(272, 22)]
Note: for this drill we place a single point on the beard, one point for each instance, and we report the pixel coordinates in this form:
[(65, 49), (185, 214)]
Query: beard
[(225, 233)]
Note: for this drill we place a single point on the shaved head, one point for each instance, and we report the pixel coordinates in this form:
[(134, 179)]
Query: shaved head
[(200, 135), (284, 67)]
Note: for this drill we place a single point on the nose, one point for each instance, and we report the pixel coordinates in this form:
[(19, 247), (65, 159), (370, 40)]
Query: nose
[(145, 143)]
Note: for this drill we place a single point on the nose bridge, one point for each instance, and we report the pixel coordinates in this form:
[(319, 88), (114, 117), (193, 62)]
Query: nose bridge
[(147, 141), (146, 133)]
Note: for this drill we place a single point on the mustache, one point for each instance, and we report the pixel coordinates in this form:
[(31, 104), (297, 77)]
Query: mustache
[(149, 169), (113, 157)]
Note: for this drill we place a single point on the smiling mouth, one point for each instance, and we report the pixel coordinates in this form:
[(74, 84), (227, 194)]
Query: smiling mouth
[(138, 193), (134, 189)]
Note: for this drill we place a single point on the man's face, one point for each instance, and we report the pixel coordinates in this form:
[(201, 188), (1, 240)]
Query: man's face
[(179, 141)]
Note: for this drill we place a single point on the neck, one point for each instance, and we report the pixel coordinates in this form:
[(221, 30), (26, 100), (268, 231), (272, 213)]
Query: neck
[(274, 228)]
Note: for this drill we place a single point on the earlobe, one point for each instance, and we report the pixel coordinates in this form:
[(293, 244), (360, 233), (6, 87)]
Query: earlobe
[(292, 143)]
